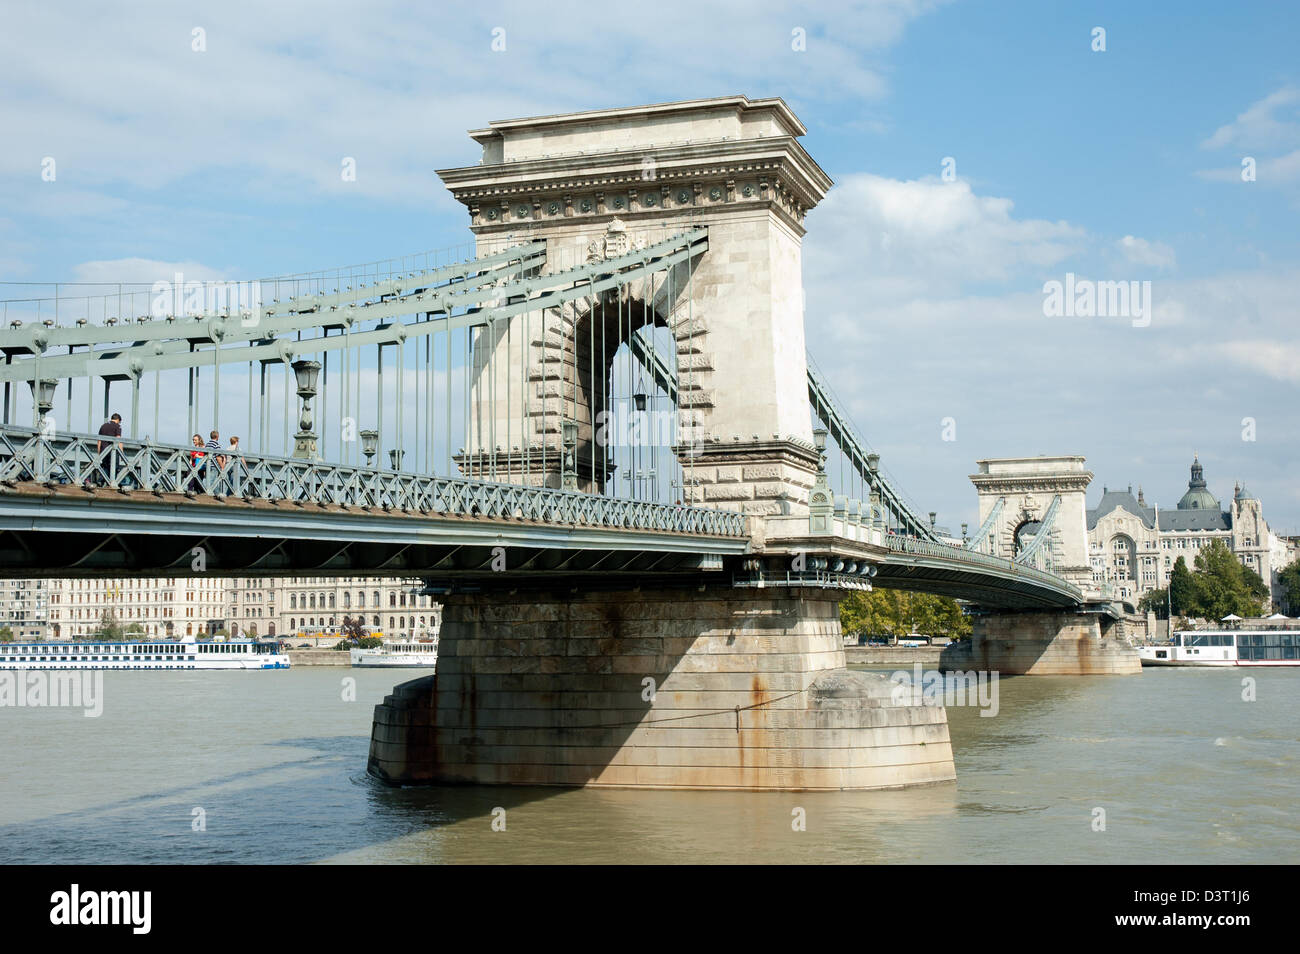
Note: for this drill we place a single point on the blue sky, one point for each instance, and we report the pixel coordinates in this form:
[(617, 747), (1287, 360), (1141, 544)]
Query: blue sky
[(1117, 165)]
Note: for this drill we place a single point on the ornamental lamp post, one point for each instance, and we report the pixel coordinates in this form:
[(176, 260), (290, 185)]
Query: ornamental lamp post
[(43, 396), (370, 446), (304, 442), (395, 457)]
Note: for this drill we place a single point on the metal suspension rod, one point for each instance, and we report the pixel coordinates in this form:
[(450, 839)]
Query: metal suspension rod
[(262, 409), (604, 395), (288, 373), (216, 386), (473, 463), (546, 399), (324, 429), (447, 385), (509, 401), (400, 399)]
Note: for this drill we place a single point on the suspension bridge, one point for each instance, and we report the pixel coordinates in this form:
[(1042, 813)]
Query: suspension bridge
[(600, 439)]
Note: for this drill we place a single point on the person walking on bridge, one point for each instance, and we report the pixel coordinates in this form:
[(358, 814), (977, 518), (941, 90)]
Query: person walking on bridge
[(216, 459), (109, 455), (236, 463), (198, 464)]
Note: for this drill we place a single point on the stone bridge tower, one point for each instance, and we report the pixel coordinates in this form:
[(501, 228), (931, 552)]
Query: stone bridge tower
[(594, 184), (1026, 487)]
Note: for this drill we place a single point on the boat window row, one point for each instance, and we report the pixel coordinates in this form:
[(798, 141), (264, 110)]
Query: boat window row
[(1266, 646), (104, 658), (1206, 639)]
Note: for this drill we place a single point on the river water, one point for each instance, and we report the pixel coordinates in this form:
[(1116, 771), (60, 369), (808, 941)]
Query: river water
[(271, 767)]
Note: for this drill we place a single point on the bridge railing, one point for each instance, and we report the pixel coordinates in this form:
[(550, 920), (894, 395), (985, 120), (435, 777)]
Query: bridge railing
[(31, 456), (902, 544)]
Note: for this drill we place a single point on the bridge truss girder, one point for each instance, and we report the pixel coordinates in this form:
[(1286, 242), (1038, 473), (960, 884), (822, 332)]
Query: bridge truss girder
[(116, 536), (470, 297)]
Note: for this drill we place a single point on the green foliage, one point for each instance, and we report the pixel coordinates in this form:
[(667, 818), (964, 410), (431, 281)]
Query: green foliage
[(365, 642), (1224, 586), (109, 627), (6, 634), (1289, 578), (1182, 589), (354, 628), (1220, 585), (896, 612), (356, 636), (1156, 601), (135, 629)]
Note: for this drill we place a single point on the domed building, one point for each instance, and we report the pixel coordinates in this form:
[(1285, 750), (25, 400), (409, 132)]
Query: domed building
[(1133, 545), (1198, 497)]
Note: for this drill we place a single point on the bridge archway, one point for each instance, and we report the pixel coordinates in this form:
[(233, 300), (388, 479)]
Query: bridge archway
[(1123, 556), (592, 184), (1025, 532)]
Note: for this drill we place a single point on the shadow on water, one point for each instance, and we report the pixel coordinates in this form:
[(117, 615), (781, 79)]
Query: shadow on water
[(296, 811), (322, 806)]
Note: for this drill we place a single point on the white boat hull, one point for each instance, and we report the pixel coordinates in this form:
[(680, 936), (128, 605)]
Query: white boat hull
[(378, 659), (138, 655), (1218, 649)]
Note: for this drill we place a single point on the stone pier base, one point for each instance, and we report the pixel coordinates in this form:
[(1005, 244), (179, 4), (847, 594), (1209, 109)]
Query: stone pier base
[(1044, 643), (701, 688)]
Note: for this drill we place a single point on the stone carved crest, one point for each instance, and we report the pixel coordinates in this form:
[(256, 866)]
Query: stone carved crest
[(1028, 509), (613, 243)]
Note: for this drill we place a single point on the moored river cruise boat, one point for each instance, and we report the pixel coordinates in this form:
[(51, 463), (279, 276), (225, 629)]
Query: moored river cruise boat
[(406, 654), (1235, 647), (143, 654)]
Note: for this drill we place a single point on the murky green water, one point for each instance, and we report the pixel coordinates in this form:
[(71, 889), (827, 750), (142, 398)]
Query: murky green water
[(1185, 770)]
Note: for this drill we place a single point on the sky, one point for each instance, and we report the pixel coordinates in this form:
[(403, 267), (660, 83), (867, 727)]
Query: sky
[(980, 152)]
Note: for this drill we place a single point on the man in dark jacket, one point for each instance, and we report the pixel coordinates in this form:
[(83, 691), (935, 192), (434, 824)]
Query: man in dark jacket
[(108, 460)]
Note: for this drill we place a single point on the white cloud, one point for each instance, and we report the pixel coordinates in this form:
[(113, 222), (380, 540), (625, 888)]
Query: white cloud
[(1139, 251), (146, 271), (1279, 360), (924, 303), (1270, 124), (1260, 125), (284, 92), (925, 236), (1279, 170)]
